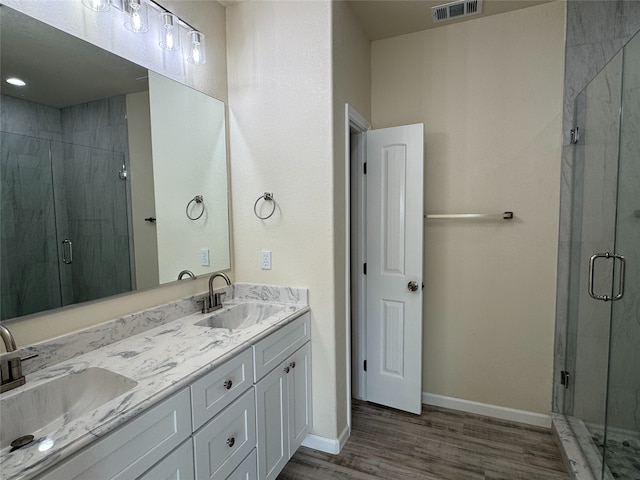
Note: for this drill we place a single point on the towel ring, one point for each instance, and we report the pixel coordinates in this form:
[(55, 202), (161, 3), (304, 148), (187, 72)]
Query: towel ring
[(197, 199), (266, 197)]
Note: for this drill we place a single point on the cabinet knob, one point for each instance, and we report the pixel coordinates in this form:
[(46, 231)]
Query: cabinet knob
[(286, 369), (228, 384), (292, 364), (231, 442)]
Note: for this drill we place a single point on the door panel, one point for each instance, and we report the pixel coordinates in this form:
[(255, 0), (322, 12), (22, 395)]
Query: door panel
[(394, 258)]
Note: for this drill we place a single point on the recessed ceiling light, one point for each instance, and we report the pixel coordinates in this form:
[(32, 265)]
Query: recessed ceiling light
[(16, 81)]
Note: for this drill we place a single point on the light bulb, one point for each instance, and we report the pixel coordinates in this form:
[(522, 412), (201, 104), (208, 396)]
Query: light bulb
[(97, 5), (197, 52), (137, 20), (170, 32)]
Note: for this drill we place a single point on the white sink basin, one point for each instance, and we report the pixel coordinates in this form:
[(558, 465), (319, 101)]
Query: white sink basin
[(243, 315), (46, 407)]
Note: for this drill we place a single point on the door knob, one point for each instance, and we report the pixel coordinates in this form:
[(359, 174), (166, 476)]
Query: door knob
[(412, 286)]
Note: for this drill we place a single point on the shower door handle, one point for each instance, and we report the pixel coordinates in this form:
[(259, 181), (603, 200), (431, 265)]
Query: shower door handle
[(592, 261), (67, 245)]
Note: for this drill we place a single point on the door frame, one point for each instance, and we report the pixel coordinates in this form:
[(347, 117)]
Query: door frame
[(354, 284)]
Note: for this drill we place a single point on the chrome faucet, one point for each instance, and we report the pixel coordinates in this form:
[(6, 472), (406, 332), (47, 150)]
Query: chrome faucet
[(7, 338), (187, 273), (214, 300), (11, 366)]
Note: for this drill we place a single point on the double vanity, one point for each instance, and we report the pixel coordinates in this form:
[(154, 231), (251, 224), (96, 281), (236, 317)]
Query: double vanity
[(221, 395)]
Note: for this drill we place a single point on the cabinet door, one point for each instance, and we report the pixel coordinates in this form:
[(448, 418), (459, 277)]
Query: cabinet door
[(177, 466), (299, 397), (247, 470), (272, 424)]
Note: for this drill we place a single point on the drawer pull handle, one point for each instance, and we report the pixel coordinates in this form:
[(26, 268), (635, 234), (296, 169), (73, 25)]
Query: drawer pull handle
[(286, 369), (231, 442), (292, 364), (228, 384)]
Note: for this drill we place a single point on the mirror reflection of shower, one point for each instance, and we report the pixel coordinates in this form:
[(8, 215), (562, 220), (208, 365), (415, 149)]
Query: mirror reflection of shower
[(65, 230)]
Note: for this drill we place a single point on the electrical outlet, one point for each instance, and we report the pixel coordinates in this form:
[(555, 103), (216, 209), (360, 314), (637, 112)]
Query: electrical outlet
[(204, 257), (265, 259)]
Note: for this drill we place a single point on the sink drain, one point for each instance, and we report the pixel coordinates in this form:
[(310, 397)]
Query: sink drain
[(21, 442)]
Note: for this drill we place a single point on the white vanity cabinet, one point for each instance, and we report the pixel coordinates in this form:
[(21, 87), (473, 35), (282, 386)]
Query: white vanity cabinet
[(243, 420), (283, 397)]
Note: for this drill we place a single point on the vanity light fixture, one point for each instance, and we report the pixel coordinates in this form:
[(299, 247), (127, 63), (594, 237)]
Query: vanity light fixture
[(97, 5), (17, 82), (197, 54), (136, 21), (170, 31), (171, 27)]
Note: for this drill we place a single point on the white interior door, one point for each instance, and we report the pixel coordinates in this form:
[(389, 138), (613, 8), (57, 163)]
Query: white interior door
[(394, 234)]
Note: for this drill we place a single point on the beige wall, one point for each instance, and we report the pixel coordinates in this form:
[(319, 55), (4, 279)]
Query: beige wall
[(280, 121), (351, 84), (106, 31), (489, 92)]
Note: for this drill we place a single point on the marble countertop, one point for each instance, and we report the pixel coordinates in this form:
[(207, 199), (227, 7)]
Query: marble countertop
[(161, 360)]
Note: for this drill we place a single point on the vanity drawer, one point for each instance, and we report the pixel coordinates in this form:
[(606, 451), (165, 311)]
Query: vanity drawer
[(129, 451), (177, 466), (269, 352), (221, 444), (216, 390), (247, 470)]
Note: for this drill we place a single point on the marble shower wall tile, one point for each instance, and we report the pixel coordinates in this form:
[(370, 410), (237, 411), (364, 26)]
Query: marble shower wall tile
[(30, 119)]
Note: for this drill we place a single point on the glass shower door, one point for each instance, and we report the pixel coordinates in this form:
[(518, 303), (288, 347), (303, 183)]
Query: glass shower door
[(593, 232), (30, 279), (91, 203), (622, 440)]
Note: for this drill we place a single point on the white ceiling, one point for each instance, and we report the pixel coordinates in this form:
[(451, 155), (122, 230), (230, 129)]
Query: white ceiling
[(389, 18)]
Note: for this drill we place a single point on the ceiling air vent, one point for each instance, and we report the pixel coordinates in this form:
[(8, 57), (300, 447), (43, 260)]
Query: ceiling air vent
[(449, 11)]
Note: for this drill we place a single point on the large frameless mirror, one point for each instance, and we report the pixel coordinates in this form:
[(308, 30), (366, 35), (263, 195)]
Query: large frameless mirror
[(113, 178)]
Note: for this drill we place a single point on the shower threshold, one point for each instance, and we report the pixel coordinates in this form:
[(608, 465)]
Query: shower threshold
[(582, 456)]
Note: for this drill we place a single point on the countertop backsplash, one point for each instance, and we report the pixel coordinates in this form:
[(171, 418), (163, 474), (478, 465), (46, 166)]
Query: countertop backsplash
[(64, 347)]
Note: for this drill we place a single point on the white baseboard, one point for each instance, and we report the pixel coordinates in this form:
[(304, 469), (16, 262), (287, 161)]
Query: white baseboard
[(504, 413), (327, 445)]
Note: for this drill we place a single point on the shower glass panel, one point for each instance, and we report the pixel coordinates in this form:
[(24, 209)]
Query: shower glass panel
[(92, 201), (65, 228), (622, 439), (30, 278), (602, 397)]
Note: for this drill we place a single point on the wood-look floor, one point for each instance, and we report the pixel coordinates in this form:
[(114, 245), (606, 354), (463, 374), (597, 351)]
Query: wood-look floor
[(440, 444)]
